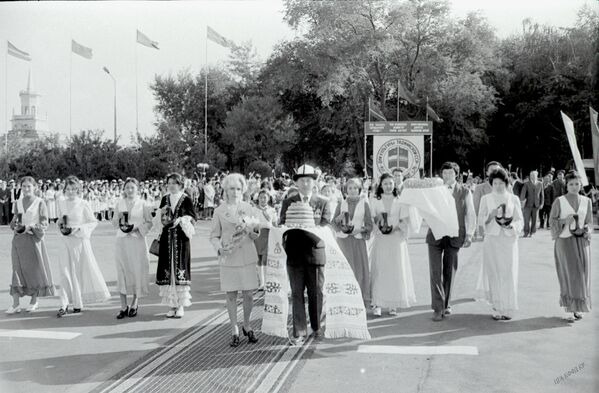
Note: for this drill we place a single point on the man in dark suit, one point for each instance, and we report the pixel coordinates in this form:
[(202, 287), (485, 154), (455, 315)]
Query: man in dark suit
[(443, 253), (14, 195), (4, 204), (306, 256), (546, 209), (532, 199), (558, 186)]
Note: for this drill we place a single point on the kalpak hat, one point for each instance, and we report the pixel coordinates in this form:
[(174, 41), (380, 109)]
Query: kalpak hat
[(303, 171)]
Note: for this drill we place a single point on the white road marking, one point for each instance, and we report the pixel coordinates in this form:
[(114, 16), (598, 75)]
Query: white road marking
[(419, 350), (46, 334)]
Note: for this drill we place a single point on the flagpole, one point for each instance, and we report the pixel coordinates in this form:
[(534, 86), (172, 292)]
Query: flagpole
[(136, 93), (6, 101), (398, 100), (206, 103), (431, 155), (366, 145), (71, 91)]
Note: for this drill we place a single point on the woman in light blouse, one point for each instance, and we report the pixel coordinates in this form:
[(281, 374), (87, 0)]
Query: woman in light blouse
[(234, 243)]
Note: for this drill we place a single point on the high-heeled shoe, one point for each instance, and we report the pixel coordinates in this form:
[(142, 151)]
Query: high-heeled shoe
[(62, 312), (76, 310), (123, 313), (13, 310), (235, 341), (133, 312), (250, 335)]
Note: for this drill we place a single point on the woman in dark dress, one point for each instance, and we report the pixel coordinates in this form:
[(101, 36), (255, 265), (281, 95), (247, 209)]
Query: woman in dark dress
[(173, 273)]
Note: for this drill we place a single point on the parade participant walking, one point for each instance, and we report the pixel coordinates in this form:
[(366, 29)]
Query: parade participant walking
[(50, 198), (500, 220), (570, 219), (532, 199), (546, 209), (30, 266), (134, 220), (305, 256), (234, 229), (209, 194), (443, 253), (353, 225), (80, 278), (173, 273), (267, 215), (4, 204), (392, 281)]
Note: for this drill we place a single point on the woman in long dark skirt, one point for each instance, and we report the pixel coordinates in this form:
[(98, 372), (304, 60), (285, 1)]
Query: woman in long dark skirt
[(173, 273), (570, 219)]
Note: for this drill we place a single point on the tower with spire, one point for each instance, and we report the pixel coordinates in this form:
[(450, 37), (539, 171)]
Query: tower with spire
[(28, 124)]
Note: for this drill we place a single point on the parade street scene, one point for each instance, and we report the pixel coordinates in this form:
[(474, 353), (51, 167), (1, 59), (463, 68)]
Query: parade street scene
[(290, 196)]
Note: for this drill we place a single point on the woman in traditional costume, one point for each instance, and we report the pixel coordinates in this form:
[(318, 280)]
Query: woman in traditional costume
[(173, 274), (570, 219), (392, 285), (31, 274), (134, 220), (267, 215), (234, 230), (81, 281), (500, 221), (353, 226)]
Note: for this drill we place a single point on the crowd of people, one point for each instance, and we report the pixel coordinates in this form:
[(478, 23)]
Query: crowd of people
[(371, 224)]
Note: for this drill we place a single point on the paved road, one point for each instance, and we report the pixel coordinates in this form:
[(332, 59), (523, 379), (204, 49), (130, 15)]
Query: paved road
[(95, 352)]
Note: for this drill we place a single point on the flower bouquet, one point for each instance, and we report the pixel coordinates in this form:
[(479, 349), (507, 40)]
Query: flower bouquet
[(247, 226)]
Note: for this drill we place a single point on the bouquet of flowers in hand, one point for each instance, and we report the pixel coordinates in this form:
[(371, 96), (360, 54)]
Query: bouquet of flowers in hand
[(247, 226)]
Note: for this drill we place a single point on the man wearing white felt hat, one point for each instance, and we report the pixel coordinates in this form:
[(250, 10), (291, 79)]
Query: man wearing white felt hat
[(305, 256)]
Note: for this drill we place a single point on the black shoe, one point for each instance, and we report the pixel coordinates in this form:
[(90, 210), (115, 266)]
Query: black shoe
[(62, 312), (133, 312), (235, 341), (76, 310), (250, 335), (123, 313)]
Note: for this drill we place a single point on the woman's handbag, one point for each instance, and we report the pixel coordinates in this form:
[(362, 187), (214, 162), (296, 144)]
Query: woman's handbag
[(155, 247)]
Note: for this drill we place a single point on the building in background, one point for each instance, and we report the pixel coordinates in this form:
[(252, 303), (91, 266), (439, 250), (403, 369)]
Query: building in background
[(29, 124)]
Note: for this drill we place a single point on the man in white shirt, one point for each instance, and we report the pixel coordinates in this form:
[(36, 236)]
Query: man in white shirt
[(443, 253)]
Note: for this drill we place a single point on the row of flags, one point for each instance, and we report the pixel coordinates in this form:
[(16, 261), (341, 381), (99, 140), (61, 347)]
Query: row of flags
[(405, 94), (87, 52)]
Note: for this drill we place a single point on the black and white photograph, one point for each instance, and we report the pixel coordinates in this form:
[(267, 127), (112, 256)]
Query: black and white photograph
[(290, 196)]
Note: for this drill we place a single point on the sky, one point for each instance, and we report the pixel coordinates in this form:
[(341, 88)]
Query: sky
[(45, 30)]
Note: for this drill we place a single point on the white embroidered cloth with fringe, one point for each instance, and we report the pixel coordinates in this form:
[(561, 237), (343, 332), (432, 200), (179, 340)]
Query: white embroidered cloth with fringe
[(342, 303)]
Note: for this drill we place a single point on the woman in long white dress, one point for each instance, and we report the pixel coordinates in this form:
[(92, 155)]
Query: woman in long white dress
[(80, 279), (50, 198), (131, 250), (500, 221), (392, 284)]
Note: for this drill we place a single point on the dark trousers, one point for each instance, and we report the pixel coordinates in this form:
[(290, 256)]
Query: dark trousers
[(443, 264), (4, 213), (530, 220), (310, 277), (544, 215)]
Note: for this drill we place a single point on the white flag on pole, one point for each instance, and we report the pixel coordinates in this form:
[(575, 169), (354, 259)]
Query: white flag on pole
[(569, 126)]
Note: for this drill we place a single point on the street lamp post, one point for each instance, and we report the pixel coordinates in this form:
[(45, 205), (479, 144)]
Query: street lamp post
[(114, 84)]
